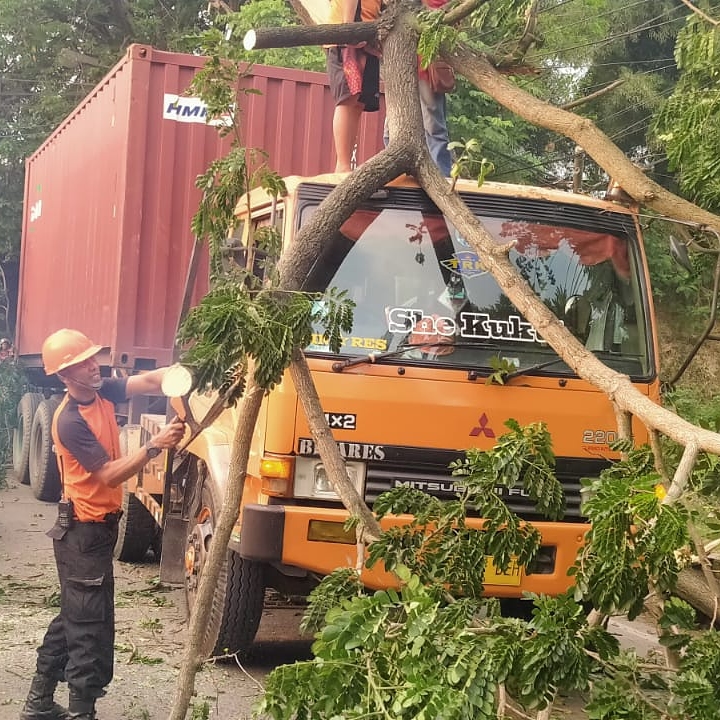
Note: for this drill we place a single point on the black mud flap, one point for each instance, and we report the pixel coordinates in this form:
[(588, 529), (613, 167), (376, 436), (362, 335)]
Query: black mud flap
[(182, 483), (172, 557)]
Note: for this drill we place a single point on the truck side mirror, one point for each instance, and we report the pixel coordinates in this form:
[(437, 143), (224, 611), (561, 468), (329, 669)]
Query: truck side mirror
[(577, 316)]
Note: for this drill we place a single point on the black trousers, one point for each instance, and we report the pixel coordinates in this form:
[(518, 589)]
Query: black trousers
[(78, 644)]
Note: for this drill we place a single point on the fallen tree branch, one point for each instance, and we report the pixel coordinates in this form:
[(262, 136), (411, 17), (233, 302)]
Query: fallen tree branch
[(328, 449), (617, 387), (682, 473), (584, 132), (707, 571), (299, 35)]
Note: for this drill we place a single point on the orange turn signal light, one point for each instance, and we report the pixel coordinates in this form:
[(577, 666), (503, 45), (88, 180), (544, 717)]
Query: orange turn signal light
[(276, 476), (276, 467)]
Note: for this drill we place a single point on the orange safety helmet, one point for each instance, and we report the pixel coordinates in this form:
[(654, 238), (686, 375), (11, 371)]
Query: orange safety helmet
[(65, 348)]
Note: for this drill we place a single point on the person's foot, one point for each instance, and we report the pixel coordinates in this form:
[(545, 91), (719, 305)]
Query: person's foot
[(39, 704), (52, 712)]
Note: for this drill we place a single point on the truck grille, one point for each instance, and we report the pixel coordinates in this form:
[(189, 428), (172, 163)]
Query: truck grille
[(437, 481)]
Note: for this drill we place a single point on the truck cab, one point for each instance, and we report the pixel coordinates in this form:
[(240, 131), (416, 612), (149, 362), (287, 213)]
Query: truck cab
[(407, 394)]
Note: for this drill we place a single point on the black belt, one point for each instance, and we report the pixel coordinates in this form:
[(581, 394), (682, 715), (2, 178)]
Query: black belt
[(112, 518)]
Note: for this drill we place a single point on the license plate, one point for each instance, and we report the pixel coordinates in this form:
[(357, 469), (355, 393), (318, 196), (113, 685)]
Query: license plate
[(493, 576)]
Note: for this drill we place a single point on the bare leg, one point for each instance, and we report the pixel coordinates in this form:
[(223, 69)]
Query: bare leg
[(346, 122)]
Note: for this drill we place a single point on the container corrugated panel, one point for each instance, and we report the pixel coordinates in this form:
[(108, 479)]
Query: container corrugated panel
[(110, 195)]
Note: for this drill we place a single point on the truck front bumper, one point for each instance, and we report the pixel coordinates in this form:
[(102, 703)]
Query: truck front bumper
[(314, 539)]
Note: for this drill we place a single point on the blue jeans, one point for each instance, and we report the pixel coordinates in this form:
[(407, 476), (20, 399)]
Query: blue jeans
[(435, 124)]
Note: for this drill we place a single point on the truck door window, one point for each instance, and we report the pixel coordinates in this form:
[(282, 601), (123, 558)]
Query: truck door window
[(416, 280), (262, 242)]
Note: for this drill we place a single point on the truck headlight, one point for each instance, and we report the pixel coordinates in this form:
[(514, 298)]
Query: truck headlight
[(312, 481)]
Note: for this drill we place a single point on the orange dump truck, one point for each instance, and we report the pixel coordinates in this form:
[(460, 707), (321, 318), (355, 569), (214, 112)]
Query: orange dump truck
[(106, 246), (402, 418)]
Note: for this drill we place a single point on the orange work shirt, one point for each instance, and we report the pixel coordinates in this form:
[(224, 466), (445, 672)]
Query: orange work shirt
[(369, 10), (86, 436)]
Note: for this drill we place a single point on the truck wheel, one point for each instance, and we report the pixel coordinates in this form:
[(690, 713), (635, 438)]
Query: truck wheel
[(136, 530), (44, 472), (21, 435), (240, 593), (137, 527)]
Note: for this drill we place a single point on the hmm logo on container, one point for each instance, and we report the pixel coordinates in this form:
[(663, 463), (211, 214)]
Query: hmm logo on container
[(189, 110)]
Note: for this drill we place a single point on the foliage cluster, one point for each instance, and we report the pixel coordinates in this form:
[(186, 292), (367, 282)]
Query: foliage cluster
[(633, 537), (236, 321), (687, 126), (435, 648), (438, 544)]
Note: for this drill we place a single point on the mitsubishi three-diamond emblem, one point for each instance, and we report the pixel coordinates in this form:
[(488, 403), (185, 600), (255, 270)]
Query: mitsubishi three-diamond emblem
[(483, 428)]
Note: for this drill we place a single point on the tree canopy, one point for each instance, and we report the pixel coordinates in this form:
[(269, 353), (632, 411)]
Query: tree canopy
[(52, 52), (51, 55)]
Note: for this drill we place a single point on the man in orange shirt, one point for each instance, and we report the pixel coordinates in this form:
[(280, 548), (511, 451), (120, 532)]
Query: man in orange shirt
[(78, 644)]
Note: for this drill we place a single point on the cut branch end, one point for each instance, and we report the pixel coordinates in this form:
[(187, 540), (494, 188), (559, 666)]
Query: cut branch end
[(250, 40)]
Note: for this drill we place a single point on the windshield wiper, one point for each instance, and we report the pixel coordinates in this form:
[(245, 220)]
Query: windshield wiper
[(532, 368), (600, 354), (341, 365)]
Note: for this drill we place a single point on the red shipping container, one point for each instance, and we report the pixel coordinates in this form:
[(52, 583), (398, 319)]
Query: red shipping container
[(109, 197)]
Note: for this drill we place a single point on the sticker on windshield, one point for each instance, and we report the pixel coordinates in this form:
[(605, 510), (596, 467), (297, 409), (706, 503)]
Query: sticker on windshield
[(469, 325), (465, 263), (319, 343)]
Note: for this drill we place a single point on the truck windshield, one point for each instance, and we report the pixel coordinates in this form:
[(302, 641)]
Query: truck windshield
[(419, 285)]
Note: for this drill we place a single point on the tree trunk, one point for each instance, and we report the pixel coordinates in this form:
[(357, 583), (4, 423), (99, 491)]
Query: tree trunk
[(193, 658), (692, 587)]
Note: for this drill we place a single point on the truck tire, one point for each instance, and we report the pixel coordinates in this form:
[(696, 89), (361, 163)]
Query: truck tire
[(44, 472), (136, 530), (21, 435), (240, 593)]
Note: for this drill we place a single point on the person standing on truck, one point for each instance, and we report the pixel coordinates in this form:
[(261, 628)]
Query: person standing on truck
[(78, 644), (354, 75), (434, 113)]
